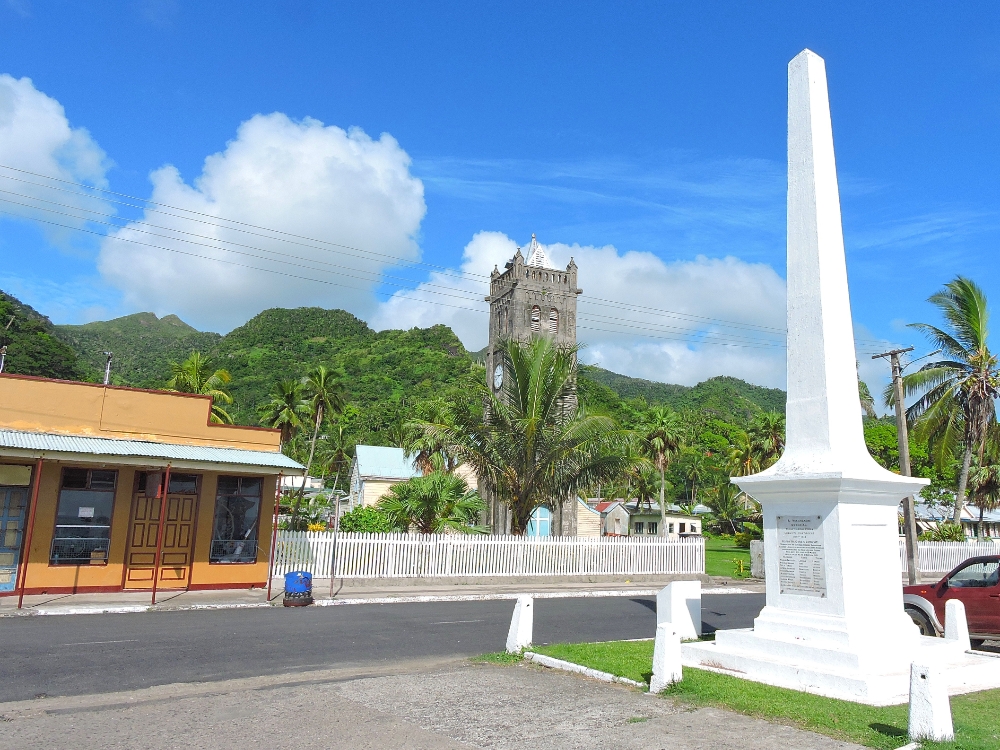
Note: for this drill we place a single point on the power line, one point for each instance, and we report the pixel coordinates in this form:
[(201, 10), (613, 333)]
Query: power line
[(369, 276)]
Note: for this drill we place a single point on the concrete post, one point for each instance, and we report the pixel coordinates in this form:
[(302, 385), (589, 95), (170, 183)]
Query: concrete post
[(521, 625), (956, 627), (666, 658), (679, 604), (930, 710)]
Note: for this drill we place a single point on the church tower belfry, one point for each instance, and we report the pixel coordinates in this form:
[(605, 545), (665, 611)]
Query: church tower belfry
[(531, 297)]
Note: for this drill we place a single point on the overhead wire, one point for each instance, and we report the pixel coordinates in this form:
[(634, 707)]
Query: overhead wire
[(649, 329)]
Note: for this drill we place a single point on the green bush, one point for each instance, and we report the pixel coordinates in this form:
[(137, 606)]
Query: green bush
[(949, 531), (367, 521), (750, 532)]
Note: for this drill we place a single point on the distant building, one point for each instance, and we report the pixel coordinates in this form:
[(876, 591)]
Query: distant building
[(529, 298), (588, 521), (634, 519), (929, 517), (374, 470)]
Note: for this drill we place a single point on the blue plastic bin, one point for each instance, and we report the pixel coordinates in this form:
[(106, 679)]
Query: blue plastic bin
[(298, 588)]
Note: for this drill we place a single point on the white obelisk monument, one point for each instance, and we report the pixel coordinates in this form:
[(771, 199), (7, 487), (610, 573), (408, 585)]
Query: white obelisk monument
[(834, 622)]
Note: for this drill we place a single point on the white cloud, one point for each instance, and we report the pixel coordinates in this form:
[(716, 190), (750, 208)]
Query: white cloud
[(673, 310), (301, 178), (36, 137)]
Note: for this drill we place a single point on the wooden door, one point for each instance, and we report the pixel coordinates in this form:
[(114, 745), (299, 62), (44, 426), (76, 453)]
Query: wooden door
[(178, 542)]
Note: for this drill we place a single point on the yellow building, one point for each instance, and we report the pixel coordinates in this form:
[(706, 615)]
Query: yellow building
[(87, 472)]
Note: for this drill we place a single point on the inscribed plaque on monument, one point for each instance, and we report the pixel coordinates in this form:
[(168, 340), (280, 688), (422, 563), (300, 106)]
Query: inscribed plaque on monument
[(801, 559)]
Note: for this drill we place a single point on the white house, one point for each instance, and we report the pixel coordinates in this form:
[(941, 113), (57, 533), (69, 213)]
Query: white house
[(374, 470)]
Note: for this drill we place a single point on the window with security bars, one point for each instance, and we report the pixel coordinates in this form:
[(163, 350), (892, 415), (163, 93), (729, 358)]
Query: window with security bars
[(83, 518), (237, 519)]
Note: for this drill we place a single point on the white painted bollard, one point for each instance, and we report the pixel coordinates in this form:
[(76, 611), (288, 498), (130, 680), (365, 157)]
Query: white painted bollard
[(679, 603), (521, 624), (930, 709), (956, 626), (666, 658)]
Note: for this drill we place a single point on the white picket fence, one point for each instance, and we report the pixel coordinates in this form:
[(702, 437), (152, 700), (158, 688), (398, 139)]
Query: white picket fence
[(941, 557), (454, 555)]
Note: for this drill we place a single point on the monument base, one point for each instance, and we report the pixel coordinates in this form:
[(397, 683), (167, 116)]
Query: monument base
[(838, 673)]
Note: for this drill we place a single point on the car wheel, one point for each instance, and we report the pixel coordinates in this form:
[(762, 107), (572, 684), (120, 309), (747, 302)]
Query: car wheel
[(921, 620)]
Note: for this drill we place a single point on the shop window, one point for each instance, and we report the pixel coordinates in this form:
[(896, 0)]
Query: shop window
[(150, 483), (83, 519), (237, 519)]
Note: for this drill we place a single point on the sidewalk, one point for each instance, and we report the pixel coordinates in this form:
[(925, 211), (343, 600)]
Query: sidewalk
[(346, 592)]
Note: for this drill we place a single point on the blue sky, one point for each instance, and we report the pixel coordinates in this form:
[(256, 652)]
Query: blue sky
[(652, 128)]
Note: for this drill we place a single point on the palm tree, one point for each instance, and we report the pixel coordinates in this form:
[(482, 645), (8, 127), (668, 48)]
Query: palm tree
[(984, 479), (662, 440), (336, 451), (867, 401), (767, 431), (284, 410), (744, 455), (956, 405), (195, 375), (430, 451), (324, 394), (724, 500), (532, 447), (434, 503)]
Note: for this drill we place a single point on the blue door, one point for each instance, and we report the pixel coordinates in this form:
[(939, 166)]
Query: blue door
[(13, 502)]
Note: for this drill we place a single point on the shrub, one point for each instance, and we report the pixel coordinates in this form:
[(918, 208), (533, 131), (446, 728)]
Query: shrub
[(949, 531), (367, 520), (750, 532)]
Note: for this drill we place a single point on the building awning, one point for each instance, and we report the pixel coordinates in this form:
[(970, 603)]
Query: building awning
[(33, 445)]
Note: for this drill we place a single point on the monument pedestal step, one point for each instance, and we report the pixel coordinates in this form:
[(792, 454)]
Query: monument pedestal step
[(789, 665)]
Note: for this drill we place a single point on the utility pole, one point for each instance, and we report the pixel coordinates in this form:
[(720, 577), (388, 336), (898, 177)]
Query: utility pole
[(107, 368), (909, 512), (3, 356)]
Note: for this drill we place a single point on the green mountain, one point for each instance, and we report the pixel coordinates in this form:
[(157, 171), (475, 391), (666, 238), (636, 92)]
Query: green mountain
[(33, 347), (387, 373), (383, 369), (142, 345), (724, 397)]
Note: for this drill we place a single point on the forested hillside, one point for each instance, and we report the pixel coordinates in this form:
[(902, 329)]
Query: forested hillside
[(143, 346), (32, 345), (390, 375)]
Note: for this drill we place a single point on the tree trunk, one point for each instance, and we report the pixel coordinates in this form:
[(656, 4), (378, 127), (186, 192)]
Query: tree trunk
[(963, 480), (663, 506), (312, 452)]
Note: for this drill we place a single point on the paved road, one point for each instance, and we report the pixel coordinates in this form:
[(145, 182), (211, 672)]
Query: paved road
[(84, 654)]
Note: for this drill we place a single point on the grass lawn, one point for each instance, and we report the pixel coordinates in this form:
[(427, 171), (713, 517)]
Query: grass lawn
[(976, 725), (719, 555)]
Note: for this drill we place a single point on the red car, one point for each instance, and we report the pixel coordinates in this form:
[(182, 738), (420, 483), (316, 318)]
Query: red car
[(976, 583)]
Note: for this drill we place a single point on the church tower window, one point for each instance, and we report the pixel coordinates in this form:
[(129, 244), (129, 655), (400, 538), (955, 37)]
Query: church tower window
[(536, 319), (553, 321)]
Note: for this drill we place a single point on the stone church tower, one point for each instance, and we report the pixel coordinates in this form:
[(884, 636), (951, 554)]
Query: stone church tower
[(531, 298)]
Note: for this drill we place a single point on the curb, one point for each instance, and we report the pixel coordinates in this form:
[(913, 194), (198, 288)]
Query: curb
[(568, 666), (417, 599)]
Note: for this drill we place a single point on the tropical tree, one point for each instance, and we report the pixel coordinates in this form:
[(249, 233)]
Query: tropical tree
[(984, 479), (867, 400), (956, 404), (744, 455), (725, 501), (533, 447), (767, 432), (661, 440), (434, 503), (195, 375), (285, 409), (335, 452), (695, 466), (430, 449), (324, 394)]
